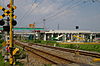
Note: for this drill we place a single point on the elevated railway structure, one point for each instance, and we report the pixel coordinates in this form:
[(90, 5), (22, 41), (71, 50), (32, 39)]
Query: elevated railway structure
[(71, 35), (62, 36), (56, 55)]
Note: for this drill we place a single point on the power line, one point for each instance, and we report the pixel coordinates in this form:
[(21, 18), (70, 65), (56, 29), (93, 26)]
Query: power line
[(75, 4), (27, 12), (71, 8), (59, 9), (35, 8)]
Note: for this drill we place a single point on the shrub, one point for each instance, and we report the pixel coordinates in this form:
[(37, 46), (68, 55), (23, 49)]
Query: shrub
[(1, 41)]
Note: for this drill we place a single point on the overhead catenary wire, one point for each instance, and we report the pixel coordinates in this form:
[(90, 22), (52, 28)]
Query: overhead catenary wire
[(59, 9), (75, 4), (73, 7), (37, 6), (59, 14), (27, 12)]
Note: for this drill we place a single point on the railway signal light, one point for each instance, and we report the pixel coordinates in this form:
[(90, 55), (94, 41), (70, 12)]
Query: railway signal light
[(14, 22), (6, 28), (14, 7), (77, 27), (2, 22), (8, 5)]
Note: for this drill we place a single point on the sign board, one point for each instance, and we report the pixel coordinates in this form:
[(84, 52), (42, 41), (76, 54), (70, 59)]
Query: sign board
[(15, 51), (32, 25)]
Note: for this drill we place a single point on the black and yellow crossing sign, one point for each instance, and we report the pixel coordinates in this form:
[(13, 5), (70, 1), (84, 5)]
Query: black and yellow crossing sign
[(3, 9), (7, 12)]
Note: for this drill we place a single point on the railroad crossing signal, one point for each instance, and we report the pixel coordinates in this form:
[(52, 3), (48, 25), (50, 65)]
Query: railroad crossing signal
[(7, 12), (7, 27), (10, 22)]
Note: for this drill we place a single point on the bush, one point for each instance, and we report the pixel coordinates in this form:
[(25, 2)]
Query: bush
[(1, 41)]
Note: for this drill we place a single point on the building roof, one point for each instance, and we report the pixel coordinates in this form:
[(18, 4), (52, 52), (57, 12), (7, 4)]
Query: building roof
[(68, 31)]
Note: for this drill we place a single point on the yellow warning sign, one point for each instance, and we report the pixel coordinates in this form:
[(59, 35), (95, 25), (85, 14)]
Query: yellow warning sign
[(16, 49)]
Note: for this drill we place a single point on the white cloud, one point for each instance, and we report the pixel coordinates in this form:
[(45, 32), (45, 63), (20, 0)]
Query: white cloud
[(46, 8)]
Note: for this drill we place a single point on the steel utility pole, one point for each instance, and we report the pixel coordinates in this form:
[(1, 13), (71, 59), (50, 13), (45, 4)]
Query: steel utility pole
[(11, 33), (44, 24), (58, 27)]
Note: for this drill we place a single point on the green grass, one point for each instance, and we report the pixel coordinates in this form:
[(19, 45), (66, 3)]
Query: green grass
[(87, 47), (2, 63), (1, 43), (40, 41)]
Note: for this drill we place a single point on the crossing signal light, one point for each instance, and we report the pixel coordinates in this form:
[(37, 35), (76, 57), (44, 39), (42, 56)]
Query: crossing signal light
[(14, 7), (8, 5), (14, 22), (6, 28), (2, 22)]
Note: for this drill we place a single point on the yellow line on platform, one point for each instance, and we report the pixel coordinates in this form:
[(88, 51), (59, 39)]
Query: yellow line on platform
[(79, 43)]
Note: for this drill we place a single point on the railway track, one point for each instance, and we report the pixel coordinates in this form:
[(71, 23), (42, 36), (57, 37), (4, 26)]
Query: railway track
[(81, 52), (52, 58)]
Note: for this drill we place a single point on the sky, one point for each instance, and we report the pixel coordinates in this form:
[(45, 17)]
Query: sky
[(65, 13)]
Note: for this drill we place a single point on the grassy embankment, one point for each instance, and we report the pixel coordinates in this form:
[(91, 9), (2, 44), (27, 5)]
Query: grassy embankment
[(88, 47), (2, 63)]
